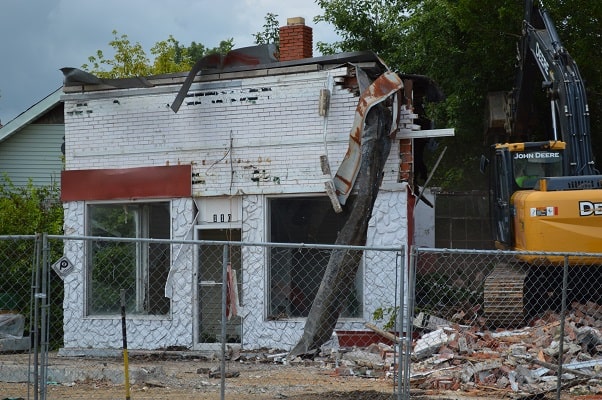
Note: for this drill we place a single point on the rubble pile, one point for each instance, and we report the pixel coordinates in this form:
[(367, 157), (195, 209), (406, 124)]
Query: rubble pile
[(460, 357), (468, 358)]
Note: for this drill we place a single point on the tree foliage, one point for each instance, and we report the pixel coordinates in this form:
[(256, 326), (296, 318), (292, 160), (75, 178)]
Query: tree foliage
[(469, 48), (363, 25), (29, 210), (271, 31), (130, 59)]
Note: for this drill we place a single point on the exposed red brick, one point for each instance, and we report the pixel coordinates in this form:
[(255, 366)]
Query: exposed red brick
[(406, 160), (296, 40)]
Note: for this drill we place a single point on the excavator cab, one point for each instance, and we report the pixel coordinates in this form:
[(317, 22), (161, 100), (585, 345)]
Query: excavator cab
[(519, 166), (529, 166)]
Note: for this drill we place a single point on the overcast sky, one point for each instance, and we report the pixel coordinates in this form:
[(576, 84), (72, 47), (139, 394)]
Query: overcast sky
[(37, 37)]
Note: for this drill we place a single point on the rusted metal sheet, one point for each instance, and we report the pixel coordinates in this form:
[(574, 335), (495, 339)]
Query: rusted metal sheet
[(383, 87), (126, 183)]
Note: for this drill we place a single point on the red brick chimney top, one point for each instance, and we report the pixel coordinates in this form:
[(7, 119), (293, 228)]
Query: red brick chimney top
[(296, 40)]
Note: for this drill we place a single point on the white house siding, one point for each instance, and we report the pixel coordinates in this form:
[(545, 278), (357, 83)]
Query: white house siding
[(268, 124), (33, 154)]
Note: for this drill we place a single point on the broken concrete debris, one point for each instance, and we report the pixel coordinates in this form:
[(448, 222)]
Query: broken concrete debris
[(430, 342), (446, 356), (521, 361), (11, 333), (518, 362)]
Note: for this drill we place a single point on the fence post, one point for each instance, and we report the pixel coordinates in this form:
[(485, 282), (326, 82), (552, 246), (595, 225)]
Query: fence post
[(565, 279), (224, 321), (124, 337), (44, 319), (34, 321), (401, 324), (407, 312)]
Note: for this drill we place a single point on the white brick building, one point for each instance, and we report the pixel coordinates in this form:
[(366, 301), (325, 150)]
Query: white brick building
[(242, 153)]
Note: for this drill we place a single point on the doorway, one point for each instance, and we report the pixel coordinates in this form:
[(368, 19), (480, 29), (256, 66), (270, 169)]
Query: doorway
[(210, 260)]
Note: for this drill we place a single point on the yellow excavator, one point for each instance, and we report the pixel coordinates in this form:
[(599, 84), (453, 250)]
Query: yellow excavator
[(545, 195)]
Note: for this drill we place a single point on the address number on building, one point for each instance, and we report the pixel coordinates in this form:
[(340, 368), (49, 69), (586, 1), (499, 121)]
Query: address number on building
[(222, 217)]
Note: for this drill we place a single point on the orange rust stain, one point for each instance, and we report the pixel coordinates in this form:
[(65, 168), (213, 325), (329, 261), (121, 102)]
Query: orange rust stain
[(356, 137)]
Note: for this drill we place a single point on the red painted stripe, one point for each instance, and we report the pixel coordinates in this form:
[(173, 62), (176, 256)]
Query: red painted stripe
[(126, 183)]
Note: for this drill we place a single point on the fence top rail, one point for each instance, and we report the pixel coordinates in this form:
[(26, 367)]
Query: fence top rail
[(502, 252), (232, 243), (18, 237)]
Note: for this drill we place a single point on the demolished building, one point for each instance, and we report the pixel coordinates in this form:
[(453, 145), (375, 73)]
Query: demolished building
[(254, 145)]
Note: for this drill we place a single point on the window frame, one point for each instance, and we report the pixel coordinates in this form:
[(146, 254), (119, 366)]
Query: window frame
[(268, 312), (142, 254)]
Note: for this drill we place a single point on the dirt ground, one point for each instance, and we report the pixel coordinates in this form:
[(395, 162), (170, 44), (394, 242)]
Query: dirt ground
[(192, 378), (169, 376)]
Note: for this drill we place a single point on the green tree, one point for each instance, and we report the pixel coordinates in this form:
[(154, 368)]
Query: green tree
[(363, 25), (130, 59), (196, 51), (27, 211), (271, 31), (169, 57), (469, 48)]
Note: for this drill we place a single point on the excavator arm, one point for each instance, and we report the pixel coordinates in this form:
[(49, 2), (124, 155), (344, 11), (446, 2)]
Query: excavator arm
[(542, 54)]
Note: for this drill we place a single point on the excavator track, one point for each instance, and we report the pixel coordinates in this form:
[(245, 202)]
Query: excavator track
[(503, 295)]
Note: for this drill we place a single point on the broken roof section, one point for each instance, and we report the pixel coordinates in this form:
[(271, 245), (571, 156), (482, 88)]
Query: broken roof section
[(239, 63), (263, 60), (255, 61), (294, 55)]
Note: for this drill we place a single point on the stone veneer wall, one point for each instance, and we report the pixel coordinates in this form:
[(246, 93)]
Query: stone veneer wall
[(381, 272), (144, 332)]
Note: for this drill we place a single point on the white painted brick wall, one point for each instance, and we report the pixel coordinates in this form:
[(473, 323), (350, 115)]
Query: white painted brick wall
[(225, 139)]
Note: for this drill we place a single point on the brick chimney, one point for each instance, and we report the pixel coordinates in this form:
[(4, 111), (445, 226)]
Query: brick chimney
[(296, 40)]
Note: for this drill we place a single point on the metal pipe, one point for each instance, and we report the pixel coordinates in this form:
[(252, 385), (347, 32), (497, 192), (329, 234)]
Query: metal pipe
[(398, 321), (554, 123), (565, 279), (224, 321), (32, 319), (402, 328), (411, 273), (44, 290), (126, 369), (36, 302)]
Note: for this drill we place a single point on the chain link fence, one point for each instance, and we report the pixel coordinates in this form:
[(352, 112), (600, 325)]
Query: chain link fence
[(28, 294), (214, 319), (505, 322), (18, 259), (96, 308)]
